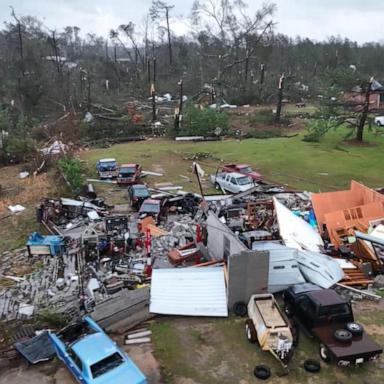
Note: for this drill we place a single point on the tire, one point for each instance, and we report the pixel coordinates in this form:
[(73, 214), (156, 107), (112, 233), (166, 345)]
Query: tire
[(343, 335), (262, 372), (217, 186), (355, 328), (250, 331), (324, 354), (288, 310), (240, 308), (312, 365), (378, 123)]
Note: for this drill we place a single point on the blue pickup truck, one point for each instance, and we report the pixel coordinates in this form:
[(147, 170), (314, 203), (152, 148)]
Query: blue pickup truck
[(107, 168), (92, 357)]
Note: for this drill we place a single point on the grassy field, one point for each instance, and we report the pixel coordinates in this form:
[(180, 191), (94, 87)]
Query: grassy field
[(323, 166), (215, 351), (327, 165)]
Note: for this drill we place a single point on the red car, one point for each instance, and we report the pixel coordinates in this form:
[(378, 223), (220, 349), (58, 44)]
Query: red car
[(244, 169), (128, 174)]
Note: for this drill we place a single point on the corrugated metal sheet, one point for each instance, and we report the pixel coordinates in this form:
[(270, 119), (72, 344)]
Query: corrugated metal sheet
[(189, 292), (296, 232)]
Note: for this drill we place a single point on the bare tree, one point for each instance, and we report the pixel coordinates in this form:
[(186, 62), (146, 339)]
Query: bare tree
[(234, 32), (364, 114), (129, 30), (158, 9), (21, 46)]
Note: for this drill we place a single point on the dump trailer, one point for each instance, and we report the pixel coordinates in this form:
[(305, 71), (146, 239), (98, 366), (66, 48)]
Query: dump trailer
[(267, 324)]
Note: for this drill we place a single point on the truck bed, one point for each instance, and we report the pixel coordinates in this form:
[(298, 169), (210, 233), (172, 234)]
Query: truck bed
[(270, 313), (360, 346)]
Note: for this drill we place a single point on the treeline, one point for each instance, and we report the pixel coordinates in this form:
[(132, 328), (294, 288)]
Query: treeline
[(231, 54)]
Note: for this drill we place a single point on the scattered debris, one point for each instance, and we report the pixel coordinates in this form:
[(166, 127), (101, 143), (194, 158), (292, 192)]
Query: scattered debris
[(16, 208)]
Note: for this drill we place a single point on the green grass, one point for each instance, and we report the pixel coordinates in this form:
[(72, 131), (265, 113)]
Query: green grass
[(215, 351), (327, 165)]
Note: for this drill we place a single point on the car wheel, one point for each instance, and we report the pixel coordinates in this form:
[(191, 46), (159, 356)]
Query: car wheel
[(324, 354), (240, 309), (343, 335), (288, 309), (262, 372), (312, 365), (250, 331), (355, 328)]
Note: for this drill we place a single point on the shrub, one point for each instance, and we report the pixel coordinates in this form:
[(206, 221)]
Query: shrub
[(202, 122), (51, 318), (72, 171), (316, 129), (263, 116)]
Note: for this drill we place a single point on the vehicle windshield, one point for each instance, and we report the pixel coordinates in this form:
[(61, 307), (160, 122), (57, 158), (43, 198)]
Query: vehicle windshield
[(106, 365), (332, 310), (246, 170), (107, 164), (244, 180), (141, 192), (130, 170), (150, 208)]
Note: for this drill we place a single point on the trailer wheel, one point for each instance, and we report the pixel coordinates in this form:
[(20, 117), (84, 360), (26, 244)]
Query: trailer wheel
[(288, 310), (355, 328), (262, 372), (312, 365), (324, 354), (250, 331), (240, 308), (343, 335)]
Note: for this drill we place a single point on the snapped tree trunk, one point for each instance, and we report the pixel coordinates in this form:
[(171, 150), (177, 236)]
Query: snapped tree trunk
[(364, 114), (279, 99), (169, 37)]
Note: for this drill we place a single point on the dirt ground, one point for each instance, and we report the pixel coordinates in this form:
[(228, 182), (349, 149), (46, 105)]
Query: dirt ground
[(215, 351), (54, 372), (26, 192)]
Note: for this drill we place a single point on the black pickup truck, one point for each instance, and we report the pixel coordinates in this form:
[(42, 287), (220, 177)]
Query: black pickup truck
[(325, 315)]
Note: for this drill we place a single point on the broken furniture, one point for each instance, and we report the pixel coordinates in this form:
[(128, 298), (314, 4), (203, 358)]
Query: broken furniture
[(185, 253)]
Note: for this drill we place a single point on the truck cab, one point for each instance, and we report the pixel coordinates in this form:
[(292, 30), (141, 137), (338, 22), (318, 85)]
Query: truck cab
[(329, 318), (232, 182), (92, 357), (106, 168), (244, 169), (128, 174)]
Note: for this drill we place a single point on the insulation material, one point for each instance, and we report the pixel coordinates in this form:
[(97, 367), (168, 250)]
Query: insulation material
[(296, 232), (189, 292)]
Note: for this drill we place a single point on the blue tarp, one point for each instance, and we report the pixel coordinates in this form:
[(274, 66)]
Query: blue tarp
[(54, 242)]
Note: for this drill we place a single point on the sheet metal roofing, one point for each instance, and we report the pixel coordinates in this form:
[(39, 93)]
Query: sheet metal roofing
[(189, 292)]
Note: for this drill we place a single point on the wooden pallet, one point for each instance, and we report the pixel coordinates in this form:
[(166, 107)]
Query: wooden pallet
[(355, 277)]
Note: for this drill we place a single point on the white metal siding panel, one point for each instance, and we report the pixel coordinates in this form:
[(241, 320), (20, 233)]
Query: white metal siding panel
[(189, 292), (216, 233)]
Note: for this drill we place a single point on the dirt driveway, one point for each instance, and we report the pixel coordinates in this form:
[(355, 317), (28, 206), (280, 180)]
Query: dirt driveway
[(54, 372)]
